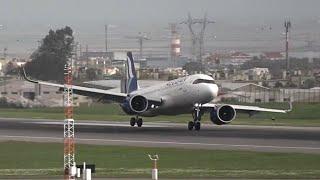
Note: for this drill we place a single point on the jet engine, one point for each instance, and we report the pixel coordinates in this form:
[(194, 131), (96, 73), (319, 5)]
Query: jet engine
[(222, 114), (135, 104)]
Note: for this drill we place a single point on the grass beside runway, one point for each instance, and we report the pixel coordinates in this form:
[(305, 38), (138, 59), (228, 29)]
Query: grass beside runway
[(26, 159), (302, 115)]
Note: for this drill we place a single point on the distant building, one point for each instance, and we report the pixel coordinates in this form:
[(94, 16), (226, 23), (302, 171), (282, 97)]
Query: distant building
[(31, 95), (258, 74), (239, 76), (97, 54), (220, 74), (272, 55), (254, 93), (254, 74), (93, 59), (234, 58), (238, 58), (216, 58)]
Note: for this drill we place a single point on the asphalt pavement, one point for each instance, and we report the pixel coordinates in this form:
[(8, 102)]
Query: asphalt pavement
[(228, 137)]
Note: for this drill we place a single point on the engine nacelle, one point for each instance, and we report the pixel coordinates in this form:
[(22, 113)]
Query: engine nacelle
[(135, 105), (222, 115)]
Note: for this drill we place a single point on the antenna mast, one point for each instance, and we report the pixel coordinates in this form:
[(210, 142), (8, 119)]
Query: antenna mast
[(69, 146)]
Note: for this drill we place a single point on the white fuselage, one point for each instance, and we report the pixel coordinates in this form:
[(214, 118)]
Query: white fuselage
[(180, 95)]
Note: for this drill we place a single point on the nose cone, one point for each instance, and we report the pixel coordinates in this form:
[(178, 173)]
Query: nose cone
[(213, 90), (209, 91)]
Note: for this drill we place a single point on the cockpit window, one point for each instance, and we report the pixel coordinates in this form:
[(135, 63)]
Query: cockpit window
[(203, 81)]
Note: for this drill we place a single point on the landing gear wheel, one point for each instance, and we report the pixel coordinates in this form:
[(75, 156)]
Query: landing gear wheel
[(197, 126), (139, 122), (190, 125), (132, 121)]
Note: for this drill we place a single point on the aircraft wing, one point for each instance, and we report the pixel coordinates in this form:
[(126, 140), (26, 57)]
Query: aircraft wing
[(85, 91), (93, 92), (249, 109)]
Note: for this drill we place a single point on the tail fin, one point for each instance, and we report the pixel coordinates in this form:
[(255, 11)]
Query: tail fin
[(131, 76)]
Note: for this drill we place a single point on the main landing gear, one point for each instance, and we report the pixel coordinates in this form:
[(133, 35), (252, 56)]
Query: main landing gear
[(196, 119), (136, 120)]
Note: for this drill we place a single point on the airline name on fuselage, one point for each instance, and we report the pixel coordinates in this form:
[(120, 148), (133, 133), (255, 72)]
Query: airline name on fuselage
[(176, 82)]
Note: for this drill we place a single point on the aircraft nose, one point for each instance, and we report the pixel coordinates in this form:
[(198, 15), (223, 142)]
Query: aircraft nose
[(213, 90)]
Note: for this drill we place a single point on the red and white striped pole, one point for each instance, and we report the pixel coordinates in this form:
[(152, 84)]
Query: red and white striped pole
[(69, 145), (154, 171)]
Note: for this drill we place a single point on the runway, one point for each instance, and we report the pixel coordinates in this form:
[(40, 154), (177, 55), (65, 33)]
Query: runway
[(229, 137)]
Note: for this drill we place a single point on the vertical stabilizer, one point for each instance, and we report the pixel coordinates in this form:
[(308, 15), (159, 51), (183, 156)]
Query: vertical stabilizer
[(131, 75)]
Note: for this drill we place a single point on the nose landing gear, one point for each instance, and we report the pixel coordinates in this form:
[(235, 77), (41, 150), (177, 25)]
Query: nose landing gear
[(196, 119)]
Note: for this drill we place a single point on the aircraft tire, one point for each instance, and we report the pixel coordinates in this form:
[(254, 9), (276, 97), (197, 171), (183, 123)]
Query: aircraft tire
[(132, 121), (190, 125), (139, 122), (197, 126)]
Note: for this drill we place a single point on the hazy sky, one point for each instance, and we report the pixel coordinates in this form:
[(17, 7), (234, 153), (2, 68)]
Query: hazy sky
[(87, 17), (151, 11)]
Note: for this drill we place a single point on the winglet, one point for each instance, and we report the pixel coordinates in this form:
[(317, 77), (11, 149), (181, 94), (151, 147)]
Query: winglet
[(25, 76)]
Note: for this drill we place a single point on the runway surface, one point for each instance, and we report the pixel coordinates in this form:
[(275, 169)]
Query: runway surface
[(231, 137)]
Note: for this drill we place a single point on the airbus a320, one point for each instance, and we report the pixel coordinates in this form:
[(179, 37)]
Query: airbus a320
[(191, 94)]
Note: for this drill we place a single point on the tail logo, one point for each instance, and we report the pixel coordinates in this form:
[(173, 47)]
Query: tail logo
[(132, 83)]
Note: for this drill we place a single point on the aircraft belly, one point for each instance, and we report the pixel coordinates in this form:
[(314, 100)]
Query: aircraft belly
[(174, 103), (168, 111), (178, 100)]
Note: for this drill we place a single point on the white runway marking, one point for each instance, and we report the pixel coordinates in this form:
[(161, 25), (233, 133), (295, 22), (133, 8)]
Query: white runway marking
[(96, 124), (160, 124), (169, 142)]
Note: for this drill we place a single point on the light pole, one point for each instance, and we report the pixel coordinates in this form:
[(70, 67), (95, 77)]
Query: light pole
[(107, 28), (287, 25)]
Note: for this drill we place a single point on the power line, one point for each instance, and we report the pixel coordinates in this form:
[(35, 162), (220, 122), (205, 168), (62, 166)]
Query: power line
[(197, 38)]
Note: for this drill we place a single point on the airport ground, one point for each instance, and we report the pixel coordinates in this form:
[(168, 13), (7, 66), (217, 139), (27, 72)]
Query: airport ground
[(39, 160), (33, 148), (36, 160), (303, 114), (31, 145)]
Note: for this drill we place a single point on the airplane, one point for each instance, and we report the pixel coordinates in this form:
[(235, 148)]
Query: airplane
[(191, 94)]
